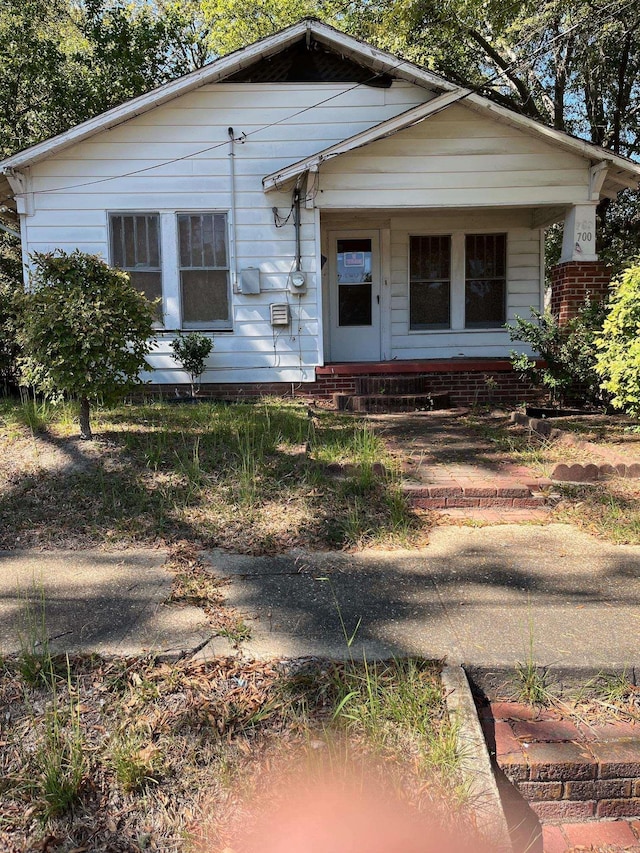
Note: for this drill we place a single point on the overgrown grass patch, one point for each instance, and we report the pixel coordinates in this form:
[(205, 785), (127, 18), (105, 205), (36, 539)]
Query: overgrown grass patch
[(164, 752), (610, 510), (251, 477)]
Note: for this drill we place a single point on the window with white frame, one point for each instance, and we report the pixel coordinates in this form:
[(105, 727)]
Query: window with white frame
[(485, 280), (135, 248), (430, 282), (203, 259)]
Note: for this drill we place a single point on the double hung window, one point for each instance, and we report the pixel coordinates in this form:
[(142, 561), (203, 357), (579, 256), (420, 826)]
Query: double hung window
[(204, 270), (135, 248), (485, 280), (429, 282), (196, 285)]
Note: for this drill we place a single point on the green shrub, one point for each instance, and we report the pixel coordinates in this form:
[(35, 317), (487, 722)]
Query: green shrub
[(84, 330), (618, 360), (569, 351), (8, 340), (11, 287), (192, 351)]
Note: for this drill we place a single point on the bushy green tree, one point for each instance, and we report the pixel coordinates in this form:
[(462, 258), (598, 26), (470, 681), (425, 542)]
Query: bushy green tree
[(84, 330), (192, 351), (618, 361), (569, 352), (10, 288)]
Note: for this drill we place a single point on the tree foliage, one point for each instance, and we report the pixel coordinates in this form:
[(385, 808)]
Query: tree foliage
[(573, 64), (618, 361), (84, 330), (569, 351), (10, 272)]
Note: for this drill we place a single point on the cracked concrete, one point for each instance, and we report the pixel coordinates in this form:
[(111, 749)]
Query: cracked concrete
[(111, 603), (470, 596)]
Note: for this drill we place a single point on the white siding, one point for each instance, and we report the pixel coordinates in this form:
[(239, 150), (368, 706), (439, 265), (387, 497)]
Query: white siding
[(452, 159), (74, 190), (463, 172)]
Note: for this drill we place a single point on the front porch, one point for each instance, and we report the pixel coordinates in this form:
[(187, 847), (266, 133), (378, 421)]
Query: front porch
[(421, 384)]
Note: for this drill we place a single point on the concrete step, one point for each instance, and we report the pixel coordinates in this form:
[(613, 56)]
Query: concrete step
[(381, 403)]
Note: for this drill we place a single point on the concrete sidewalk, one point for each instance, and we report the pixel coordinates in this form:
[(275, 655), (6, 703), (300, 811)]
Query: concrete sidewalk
[(112, 603), (470, 596)]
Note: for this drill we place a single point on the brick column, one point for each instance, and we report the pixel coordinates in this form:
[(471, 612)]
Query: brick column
[(572, 281)]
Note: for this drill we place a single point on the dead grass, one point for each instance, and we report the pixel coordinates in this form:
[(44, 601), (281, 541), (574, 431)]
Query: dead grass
[(609, 509), (175, 754), (251, 478)]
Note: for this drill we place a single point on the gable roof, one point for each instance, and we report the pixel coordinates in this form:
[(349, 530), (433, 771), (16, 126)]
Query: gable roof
[(224, 68), (621, 172)]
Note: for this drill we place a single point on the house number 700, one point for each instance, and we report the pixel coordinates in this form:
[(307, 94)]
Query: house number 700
[(584, 236)]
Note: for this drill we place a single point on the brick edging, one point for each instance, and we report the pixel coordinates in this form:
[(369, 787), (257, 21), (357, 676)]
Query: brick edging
[(591, 472)]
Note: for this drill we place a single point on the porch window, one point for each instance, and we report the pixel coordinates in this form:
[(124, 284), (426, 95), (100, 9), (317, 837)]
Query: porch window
[(429, 282), (135, 248), (204, 270), (485, 280)]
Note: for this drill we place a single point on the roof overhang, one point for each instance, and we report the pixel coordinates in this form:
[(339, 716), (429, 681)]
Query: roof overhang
[(610, 172), (218, 71), (620, 172), (276, 180), (8, 213)]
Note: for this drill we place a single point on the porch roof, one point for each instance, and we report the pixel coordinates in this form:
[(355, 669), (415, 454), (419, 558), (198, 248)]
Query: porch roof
[(610, 173)]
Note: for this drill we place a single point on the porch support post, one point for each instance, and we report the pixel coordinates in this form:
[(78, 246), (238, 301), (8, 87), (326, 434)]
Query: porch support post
[(579, 238), (579, 275)]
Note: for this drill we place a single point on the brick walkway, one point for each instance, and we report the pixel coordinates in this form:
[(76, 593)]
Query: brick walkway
[(581, 780), (610, 836), (450, 467)]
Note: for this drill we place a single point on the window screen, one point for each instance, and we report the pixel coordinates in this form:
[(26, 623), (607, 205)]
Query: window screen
[(204, 270), (429, 282), (135, 248), (485, 280)]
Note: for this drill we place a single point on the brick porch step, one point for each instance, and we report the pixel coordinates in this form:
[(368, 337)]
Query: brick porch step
[(474, 494), (570, 772), (380, 403)]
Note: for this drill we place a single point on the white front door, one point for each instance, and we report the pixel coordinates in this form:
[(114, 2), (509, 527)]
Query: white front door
[(354, 295)]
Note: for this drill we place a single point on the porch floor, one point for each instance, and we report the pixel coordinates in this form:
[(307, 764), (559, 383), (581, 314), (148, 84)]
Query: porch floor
[(447, 365)]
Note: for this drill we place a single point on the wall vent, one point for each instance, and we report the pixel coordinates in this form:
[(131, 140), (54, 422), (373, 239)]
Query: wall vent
[(280, 314)]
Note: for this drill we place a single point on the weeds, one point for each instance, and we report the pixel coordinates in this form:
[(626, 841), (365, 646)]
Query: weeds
[(229, 475), (135, 761), (136, 743), (60, 757), (532, 683), (610, 510), (34, 660)]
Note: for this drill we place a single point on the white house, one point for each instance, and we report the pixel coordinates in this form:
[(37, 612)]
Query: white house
[(324, 210)]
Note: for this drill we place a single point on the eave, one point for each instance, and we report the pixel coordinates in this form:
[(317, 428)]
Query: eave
[(386, 128), (217, 71), (619, 172)]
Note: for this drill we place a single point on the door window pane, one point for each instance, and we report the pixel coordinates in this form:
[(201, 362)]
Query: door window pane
[(429, 282), (354, 305), (204, 270), (485, 280), (354, 271)]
